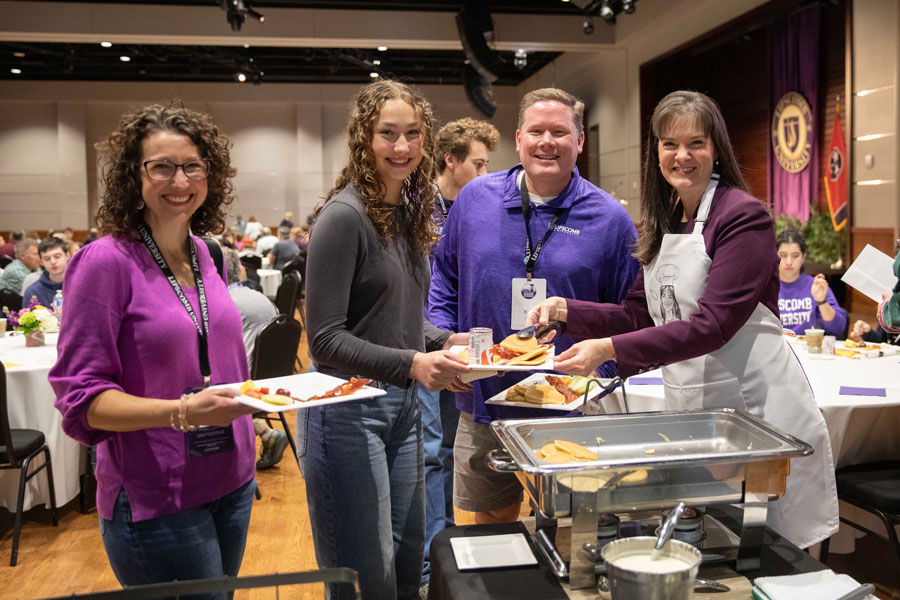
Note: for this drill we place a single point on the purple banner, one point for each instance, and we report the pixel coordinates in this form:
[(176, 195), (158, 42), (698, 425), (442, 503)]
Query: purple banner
[(793, 148)]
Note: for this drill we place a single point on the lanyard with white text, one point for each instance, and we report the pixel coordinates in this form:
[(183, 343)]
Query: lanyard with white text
[(202, 330), (440, 198), (531, 257)]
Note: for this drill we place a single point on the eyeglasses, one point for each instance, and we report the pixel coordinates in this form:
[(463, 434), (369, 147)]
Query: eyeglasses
[(164, 170)]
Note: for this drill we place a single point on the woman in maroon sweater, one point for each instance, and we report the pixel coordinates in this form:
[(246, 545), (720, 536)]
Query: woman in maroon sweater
[(705, 306)]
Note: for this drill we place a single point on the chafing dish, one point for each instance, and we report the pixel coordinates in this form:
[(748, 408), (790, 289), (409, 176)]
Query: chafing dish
[(700, 457)]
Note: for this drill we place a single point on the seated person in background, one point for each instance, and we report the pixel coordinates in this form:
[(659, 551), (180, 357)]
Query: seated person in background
[(92, 236), (301, 238), (889, 309), (288, 220), (54, 255), (284, 250), (266, 242), (27, 260), (253, 229), (863, 332), (9, 248), (256, 312), (805, 302)]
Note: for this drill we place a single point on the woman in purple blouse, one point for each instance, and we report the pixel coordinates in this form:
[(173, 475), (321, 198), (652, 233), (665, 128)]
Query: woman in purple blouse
[(148, 325), (706, 247)]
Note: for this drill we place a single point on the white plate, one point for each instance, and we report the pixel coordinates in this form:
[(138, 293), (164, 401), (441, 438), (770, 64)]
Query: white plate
[(304, 385), (492, 551), (547, 365), (542, 378)]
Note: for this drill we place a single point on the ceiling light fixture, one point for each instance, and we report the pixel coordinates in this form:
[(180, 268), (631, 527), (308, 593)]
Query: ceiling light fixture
[(125, 58), (382, 48), (106, 44), (237, 11), (15, 71), (628, 6), (373, 75), (19, 54), (376, 62), (241, 77), (246, 45), (520, 60), (588, 26)]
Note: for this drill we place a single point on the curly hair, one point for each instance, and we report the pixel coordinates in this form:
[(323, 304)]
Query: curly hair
[(657, 196), (418, 189), (119, 212), (456, 138)]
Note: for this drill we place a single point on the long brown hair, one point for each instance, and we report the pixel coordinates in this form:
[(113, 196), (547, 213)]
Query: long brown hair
[(417, 190), (657, 196), (119, 211)]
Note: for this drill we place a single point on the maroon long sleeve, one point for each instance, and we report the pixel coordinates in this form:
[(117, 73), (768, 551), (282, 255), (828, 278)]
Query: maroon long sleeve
[(740, 240)]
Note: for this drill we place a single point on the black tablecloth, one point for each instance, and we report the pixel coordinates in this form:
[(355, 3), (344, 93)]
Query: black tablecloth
[(779, 557)]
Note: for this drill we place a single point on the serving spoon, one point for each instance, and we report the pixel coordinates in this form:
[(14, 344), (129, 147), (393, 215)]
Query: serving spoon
[(665, 532)]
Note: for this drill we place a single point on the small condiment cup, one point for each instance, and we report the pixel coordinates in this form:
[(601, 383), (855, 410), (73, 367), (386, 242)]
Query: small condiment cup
[(814, 340)]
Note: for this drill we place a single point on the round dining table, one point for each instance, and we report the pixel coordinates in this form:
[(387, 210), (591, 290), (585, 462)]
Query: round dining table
[(859, 398), (30, 406)]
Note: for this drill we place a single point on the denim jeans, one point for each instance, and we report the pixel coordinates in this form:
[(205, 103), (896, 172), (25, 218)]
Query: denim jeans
[(195, 543), (365, 489), (439, 420)]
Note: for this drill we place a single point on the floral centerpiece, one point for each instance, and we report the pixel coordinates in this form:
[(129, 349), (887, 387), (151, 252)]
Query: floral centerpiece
[(34, 321)]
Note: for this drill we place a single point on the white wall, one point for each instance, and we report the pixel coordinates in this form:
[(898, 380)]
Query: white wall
[(289, 142)]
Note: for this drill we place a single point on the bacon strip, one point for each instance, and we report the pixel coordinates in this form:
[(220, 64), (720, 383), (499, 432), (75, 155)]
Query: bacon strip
[(344, 389), (562, 388), (503, 353)]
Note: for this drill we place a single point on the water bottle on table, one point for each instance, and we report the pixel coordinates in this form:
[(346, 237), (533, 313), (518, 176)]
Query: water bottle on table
[(57, 304)]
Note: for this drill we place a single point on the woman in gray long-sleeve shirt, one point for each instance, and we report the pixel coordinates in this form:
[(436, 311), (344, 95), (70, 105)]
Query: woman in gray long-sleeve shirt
[(367, 280)]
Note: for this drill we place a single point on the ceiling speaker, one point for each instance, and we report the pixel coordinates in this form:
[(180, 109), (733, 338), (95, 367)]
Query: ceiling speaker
[(480, 92), (473, 22)]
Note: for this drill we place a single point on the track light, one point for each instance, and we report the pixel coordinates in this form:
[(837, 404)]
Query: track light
[(588, 26), (607, 13), (628, 6), (520, 61), (237, 12)]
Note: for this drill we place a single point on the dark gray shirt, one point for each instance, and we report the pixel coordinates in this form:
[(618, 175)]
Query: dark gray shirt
[(285, 251), (365, 296)]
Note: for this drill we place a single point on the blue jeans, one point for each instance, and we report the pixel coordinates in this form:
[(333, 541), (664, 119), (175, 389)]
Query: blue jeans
[(195, 543), (365, 489), (439, 420)]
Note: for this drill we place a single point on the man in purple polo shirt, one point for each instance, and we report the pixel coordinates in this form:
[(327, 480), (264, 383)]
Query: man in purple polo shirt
[(460, 155), (512, 239)]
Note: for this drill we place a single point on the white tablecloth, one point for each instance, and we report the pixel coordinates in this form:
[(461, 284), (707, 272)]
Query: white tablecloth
[(269, 279), (30, 406), (861, 428)]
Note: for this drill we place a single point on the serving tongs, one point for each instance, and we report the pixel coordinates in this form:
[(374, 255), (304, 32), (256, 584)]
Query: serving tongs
[(538, 330)]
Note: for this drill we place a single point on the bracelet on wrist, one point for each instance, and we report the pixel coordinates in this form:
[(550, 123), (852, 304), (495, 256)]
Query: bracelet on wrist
[(821, 303), (182, 421)]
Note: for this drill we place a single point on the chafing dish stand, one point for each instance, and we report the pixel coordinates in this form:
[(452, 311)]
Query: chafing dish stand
[(701, 457)]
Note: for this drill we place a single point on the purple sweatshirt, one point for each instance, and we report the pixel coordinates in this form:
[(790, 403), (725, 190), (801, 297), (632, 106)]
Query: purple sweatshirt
[(799, 311), (743, 273), (125, 329), (482, 249)]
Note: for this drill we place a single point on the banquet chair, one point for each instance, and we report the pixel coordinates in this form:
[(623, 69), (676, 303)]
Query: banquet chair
[(875, 488), (20, 446), (298, 264), (288, 294), (252, 261), (273, 356), (4, 261), (10, 300)]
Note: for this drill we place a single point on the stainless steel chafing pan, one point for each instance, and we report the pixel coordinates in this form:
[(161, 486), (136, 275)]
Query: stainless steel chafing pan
[(701, 457)]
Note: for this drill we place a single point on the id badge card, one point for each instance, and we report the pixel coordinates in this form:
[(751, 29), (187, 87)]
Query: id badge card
[(208, 440), (205, 441), (525, 296)]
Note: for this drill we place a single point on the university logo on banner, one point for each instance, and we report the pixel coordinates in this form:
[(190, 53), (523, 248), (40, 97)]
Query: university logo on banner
[(836, 177), (792, 132)]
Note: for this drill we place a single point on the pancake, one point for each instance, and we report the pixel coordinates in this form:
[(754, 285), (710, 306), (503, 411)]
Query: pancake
[(517, 344)]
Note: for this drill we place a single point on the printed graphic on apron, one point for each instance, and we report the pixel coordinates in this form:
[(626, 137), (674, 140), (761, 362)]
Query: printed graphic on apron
[(668, 301)]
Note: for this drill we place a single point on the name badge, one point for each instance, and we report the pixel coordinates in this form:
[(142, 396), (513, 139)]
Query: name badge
[(210, 440), (525, 296)]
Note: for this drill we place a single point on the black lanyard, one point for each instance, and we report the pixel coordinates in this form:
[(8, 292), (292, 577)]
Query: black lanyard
[(440, 198), (202, 330), (531, 257)]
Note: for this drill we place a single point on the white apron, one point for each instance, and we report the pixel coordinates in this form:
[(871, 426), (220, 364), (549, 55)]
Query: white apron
[(755, 371)]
